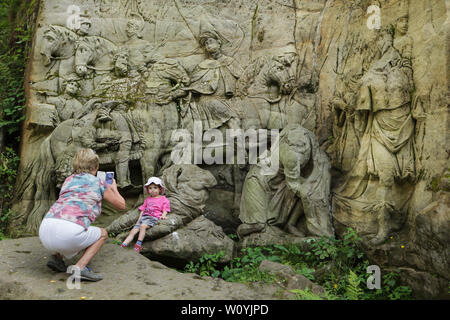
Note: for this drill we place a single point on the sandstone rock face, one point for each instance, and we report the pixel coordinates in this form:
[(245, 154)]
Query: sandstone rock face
[(290, 279), (135, 80), (126, 276), (192, 241)]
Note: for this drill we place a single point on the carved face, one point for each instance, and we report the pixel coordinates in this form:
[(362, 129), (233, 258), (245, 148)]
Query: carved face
[(288, 58), (212, 46), (71, 87), (132, 29), (84, 28), (185, 80), (121, 65), (402, 25), (297, 150)]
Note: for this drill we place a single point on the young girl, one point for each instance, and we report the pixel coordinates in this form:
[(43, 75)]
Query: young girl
[(155, 207)]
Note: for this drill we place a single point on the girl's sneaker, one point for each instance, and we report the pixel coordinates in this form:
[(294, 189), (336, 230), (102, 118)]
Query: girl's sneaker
[(137, 248), (124, 245)]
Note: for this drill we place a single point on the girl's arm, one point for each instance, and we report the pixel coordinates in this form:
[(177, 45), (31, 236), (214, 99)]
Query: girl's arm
[(164, 215)]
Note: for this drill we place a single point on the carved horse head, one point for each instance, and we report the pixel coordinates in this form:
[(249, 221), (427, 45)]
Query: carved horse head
[(58, 44), (265, 75), (277, 73), (94, 53)]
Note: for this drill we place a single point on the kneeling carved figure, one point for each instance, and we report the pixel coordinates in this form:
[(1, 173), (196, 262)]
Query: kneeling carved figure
[(301, 186)]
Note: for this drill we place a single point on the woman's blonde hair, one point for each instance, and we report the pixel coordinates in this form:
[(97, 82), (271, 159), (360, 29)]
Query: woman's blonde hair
[(85, 161)]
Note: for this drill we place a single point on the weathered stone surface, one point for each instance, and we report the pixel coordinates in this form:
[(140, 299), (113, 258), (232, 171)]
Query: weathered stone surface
[(420, 252), (290, 279), (191, 242), (126, 276), (387, 207), (424, 284), (187, 189), (269, 235), (121, 77), (298, 186)]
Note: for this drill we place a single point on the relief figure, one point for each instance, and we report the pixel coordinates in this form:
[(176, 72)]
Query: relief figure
[(300, 187), (67, 105), (384, 121), (213, 87)]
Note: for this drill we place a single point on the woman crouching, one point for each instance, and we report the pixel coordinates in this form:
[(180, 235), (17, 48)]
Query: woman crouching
[(66, 230)]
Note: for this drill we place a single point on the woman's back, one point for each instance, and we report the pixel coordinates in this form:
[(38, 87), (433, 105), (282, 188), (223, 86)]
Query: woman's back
[(80, 199)]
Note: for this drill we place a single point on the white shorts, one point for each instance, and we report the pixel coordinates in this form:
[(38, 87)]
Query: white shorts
[(65, 237)]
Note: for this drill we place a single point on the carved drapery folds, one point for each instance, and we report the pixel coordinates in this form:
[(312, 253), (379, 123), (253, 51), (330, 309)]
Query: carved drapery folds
[(123, 76), (376, 125), (126, 77), (110, 82)]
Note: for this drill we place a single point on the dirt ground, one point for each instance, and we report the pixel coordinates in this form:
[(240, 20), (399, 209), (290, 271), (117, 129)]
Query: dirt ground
[(126, 276)]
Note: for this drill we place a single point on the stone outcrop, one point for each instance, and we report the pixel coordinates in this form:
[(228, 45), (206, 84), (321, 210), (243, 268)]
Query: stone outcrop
[(367, 80), (290, 279), (191, 242), (126, 276)]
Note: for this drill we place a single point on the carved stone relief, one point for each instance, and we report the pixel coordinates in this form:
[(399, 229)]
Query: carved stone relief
[(122, 77)]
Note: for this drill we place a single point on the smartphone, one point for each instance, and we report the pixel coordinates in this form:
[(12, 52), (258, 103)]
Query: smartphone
[(109, 177)]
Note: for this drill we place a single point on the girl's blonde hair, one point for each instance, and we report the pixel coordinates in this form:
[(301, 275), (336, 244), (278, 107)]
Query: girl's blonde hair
[(85, 161)]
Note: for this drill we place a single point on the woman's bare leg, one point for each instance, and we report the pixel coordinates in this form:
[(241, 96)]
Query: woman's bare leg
[(92, 250)]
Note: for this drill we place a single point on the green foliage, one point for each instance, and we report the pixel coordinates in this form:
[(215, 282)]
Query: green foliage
[(241, 269), (353, 291), (9, 161), (116, 241), (233, 237), (305, 295), (345, 266), (15, 38), (207, 265), (245, 268), (390, 288)]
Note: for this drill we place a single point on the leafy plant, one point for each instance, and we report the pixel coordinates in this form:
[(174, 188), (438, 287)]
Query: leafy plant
[(233, 237), (353, 291), (343, 265), (305, 295), (16, 21), (207, 265), (9, 162)]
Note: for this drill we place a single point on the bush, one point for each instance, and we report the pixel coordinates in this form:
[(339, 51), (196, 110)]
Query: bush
[(344, 262), (16, 20)]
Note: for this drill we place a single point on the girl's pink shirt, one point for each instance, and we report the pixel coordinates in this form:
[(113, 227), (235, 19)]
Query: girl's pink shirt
[(155, 206)]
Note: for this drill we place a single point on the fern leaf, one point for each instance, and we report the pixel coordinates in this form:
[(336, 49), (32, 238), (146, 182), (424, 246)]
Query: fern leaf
[(353, 291)]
